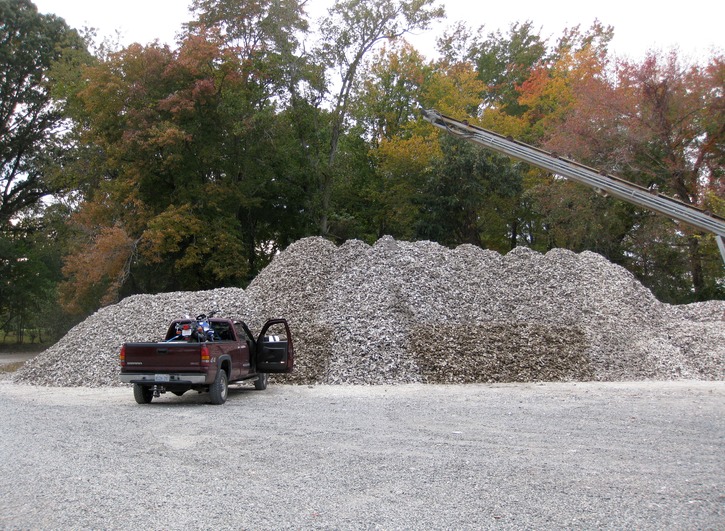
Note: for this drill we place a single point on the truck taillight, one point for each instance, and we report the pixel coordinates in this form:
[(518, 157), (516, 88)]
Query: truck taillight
[(122, 356), (204, 356)]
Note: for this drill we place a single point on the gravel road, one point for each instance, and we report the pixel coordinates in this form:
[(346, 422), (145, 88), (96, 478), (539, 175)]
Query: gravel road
[(645, 455)]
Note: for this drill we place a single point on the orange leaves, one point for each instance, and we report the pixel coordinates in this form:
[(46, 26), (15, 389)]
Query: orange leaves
[(554, 87), (97, 270), (547, 95)]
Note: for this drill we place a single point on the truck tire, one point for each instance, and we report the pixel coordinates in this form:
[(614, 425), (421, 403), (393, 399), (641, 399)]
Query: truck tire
[(143, 394), (260, 384), (219, 389)]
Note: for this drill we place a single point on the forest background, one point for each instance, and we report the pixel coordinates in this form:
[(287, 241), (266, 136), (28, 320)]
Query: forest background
[(152, 168)]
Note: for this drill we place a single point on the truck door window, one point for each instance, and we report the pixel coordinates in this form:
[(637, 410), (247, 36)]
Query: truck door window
[(222, 332)]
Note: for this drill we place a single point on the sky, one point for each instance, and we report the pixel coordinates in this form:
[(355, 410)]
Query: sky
[(694, 27)]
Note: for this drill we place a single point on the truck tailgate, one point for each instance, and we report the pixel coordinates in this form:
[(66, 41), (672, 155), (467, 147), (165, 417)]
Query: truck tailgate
[(178, 357)]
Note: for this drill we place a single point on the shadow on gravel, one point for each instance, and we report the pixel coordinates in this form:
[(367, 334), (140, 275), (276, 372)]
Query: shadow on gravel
[(236, 394)]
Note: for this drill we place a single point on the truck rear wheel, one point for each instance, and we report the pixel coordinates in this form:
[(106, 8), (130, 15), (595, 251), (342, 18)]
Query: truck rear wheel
[(219, 389), (142, 394), (260, 384)]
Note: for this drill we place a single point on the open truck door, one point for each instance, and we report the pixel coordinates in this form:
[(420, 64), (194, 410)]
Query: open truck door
[(274, 349)]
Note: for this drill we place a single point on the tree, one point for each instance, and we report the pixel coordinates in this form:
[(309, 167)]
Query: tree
[(468, 198), (155, 117), (30, 124), (483, 193), (563, 214), (352, 29), (400, 191), (422, 187), (373, 193), (265, 35), (659, 125), (202, 175), (679, 117), (34, 49), (283, 87), (504, 63)]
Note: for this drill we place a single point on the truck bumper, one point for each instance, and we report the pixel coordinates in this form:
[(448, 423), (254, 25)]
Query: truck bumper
[(165, 379)]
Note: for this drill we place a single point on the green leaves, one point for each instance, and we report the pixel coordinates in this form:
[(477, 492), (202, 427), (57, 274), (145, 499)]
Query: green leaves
[(30, 125)]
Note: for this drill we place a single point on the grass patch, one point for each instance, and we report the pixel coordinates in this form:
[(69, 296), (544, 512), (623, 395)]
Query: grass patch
[(6, 368)]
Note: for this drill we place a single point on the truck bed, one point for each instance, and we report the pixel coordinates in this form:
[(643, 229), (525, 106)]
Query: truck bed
[(175, 356)]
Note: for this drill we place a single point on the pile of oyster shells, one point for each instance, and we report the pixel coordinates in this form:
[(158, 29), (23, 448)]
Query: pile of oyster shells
[(400, 312)]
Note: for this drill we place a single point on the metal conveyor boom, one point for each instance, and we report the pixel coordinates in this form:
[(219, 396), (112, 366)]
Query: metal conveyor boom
[(601, 182)]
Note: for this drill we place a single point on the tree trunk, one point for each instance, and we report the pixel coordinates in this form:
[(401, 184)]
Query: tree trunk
[(698, 280), (326, 193)]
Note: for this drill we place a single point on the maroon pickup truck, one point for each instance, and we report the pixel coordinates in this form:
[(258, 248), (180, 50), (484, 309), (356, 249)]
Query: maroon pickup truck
[(206, 355)]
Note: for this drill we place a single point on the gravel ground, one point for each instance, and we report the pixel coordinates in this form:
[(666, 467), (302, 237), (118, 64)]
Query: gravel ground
[(593, 455)]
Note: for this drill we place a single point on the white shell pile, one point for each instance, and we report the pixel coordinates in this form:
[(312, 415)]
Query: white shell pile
[(399, 312)]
